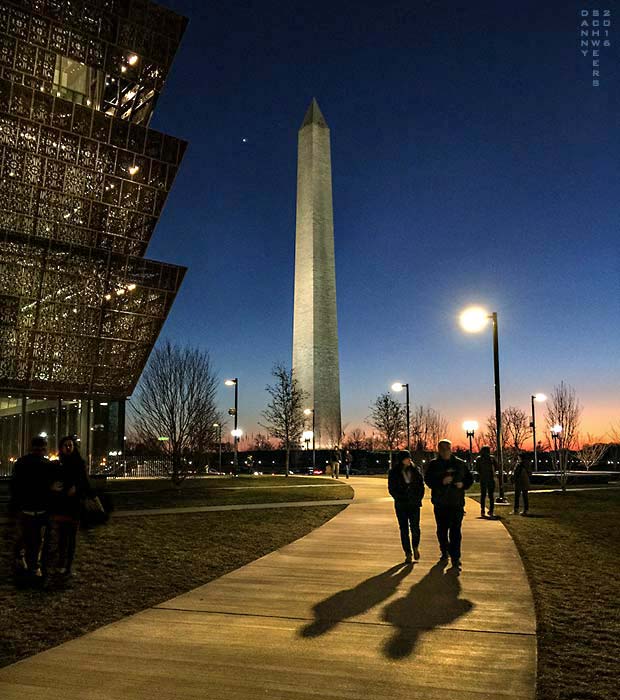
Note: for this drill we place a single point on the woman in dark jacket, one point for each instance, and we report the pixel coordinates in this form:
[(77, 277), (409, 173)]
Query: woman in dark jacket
[(406, 486), (70, 487)]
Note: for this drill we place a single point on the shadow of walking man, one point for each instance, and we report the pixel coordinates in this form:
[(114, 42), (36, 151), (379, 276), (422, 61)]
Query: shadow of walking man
[(432, 602), (354, 601)]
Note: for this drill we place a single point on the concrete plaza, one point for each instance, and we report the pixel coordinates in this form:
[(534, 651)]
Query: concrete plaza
[(333, 615)]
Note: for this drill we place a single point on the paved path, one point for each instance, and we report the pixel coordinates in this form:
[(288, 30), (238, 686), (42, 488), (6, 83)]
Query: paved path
[(332, 615)]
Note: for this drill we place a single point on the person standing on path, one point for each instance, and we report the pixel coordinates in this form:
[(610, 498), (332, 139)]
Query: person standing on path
[(406, 486), (335, 464), (348, 461), (448, 477), (31, 484), (71, 487), (522, 485), (486, 466)]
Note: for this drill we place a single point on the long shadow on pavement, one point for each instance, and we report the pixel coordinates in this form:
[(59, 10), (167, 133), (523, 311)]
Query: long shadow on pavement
[(355, 601), (432, 602)]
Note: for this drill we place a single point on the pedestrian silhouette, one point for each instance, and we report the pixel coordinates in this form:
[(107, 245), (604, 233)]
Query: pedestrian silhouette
[(432, 602), (355, 601)]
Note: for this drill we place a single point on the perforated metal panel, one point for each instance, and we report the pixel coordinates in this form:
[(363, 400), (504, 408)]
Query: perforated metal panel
[(82, 184)]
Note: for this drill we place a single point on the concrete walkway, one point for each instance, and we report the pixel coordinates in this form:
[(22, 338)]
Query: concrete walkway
[(332, 615)]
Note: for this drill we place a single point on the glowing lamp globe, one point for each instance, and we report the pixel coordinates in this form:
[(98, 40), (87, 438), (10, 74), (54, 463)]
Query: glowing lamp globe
[(398, 386), (474, 319)]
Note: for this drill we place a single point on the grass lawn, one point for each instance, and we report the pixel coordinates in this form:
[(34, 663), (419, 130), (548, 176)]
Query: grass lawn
[(160, 493), (571, 550), (133, 563)]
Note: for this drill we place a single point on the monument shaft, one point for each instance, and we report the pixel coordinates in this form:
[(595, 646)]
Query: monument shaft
[(315, 325)]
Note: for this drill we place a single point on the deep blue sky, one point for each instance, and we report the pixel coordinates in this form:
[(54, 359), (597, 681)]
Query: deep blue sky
[(472, 162)]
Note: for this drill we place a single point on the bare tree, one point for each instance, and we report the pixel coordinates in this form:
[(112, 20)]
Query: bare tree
[(284, 415), (356, 440), (614, 433), (388, 417), (564, 410), (591, 451), (372, 442), (516, 428), (428, 427), (490, 434), (262, 442), (175, 400)]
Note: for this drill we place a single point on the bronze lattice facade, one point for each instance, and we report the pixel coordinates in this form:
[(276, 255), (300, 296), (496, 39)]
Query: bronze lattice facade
[(83, 181)]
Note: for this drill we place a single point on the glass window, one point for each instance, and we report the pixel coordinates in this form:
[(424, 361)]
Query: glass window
[(42, 419), (107, 429), (77, 82), (10, 431)]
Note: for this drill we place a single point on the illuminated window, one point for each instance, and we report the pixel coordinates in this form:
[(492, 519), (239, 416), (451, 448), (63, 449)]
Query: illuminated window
[(77, 82)]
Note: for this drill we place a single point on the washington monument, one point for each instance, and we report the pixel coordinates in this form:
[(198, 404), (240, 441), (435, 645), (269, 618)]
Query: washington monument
[(315, 326)]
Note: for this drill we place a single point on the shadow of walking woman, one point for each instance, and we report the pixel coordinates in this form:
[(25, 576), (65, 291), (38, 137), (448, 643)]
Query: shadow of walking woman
[(432, 602), (354, 601)]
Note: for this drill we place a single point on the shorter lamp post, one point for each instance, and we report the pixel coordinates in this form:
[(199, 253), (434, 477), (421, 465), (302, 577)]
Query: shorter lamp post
[(399, 386), (219, 443), (234, 412), (556, 431), (470, 427), (307, 412), (306, 437), (473, 320), (539, 398), (236, 433)]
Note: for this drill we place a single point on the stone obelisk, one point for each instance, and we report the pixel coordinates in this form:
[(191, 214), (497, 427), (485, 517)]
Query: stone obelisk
[(315, 325)]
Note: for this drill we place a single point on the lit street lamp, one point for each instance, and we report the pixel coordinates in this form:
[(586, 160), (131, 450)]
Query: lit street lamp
[(219, 442), (235, 433), (473, 320), (306, 437), (307, 412), (556, 431), (399, 386), (539, 398), (470, 427)]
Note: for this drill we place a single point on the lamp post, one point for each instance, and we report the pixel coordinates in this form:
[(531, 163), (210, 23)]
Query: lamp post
[(535, 397), (473, 320), (235, 433), (399, 386), (219, 442), (307, 412), (470, 427), (306, 437), (556, 430)]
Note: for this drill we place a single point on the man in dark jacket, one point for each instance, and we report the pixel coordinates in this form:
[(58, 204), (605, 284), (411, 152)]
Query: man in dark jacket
[(448, 477), (406, 486), (522, 485), (486, 466), (31, 485)]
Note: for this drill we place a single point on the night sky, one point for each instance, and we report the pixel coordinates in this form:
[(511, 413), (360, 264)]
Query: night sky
[(473, 162)]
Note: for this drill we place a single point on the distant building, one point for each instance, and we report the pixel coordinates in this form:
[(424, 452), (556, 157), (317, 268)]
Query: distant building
[(315, 323), (82, 184)]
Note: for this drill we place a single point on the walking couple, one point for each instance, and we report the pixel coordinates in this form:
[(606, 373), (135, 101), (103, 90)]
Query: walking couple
[(46, 498), (448, 477)]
